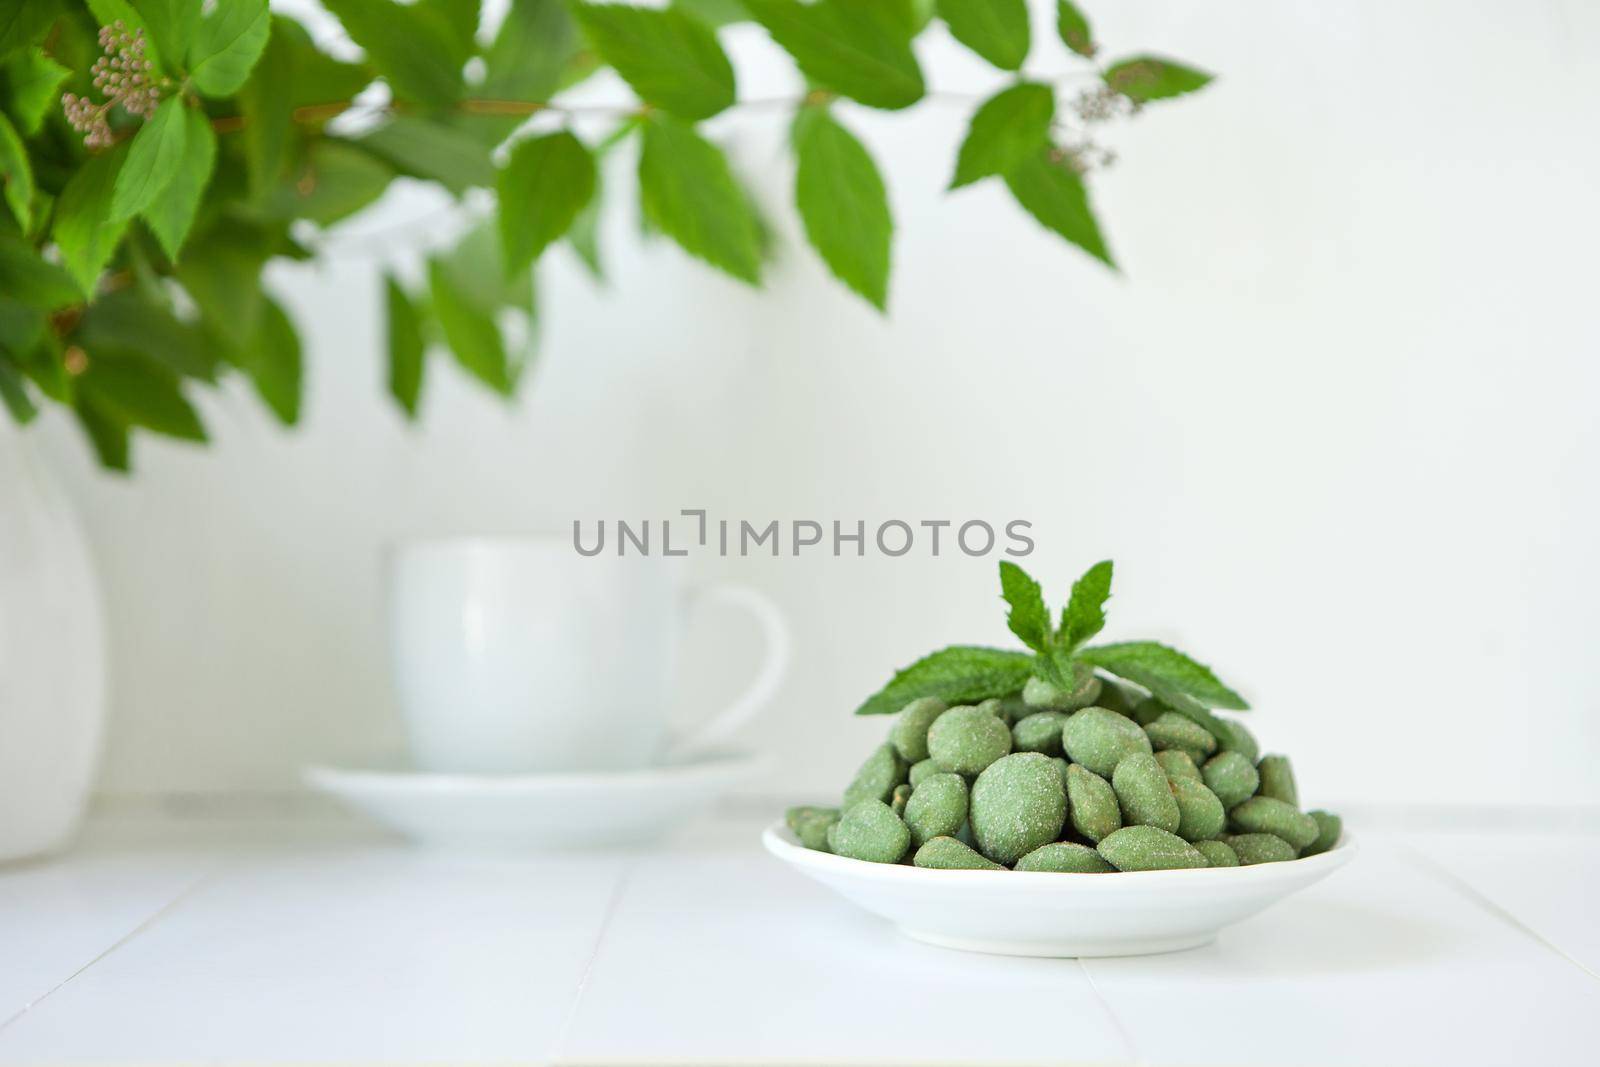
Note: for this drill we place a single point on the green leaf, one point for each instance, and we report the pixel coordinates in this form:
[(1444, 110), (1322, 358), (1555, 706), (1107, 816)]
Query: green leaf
[(32, 281), (843, 204), (227, 46), (221, 272), (424, 148), (1028, 618), (472, 334), (860, 48), (153, 160), (336, 180), (140, 393), (317, 78), (1056, 666), (534, 46), (960, 674), (688, 193), (16, 175), (1074, 29), (402, 42), (131, 321), (171, 25), (272, 359), (584, 234), (544, 185), (83, 228), (109, 12), (460, 19), (407, 352), (1164, 671), (1085, 615), (172, 215), (995, 29), (107, 434), (1006, 130), (1145, 78), (268, 113), (22, 24), (714, 13), (14, 392), (670, 59), (1053, 193), (30, 83)]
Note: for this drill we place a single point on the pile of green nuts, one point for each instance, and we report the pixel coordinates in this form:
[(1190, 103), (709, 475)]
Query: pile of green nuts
[(1097, 780)]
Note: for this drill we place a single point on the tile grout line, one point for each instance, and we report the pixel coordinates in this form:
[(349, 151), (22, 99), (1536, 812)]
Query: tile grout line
[(1116, 1020), (144, 924), (1477, 896), (558, 1051)]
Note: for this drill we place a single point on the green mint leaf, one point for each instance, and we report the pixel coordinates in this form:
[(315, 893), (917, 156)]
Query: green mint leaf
[(1028, 618), (227, 45), (140, 393), (16, 175), (860, 48), (1085, 615), (1145, 78), (173, 212), (407, 350), (960, 674), (670, 59), (402, 43), (843, 203), (83, 227), (1057, 666), (689, 193), (1074, 29), (22, 24), (995, 29), (473, 336), (31, 281), (335, 181), (171, 24), (1166, 672), (30, 83), (434, 151), (1009, 128), (1053, 193), (546, 182), (153, 160)]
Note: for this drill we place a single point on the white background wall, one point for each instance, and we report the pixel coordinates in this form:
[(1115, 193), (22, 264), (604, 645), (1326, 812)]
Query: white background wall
[(1335, 422)]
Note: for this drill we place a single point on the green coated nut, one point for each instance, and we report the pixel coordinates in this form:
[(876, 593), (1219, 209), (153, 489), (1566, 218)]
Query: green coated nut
[(1007, 709), (1039, 732), (1176, 731), (965, 740), (1064, 857), (1038, 693), (920, 770), (1061, 765), (1099, 739), (1217, 853), (877, 777), (1092, 803), (1277, 780), (1017, 805), (909, 735), (1142, 791), (937, 808), (1200, 814), (948, 854), (1148, 711), (1177, 764), (810, 825), (1114, 696), (870, 831), (902, 793), (1268, 815), (1237, 739), (1329, 827), (1149, 848), (1260, 848), (1232, 777)]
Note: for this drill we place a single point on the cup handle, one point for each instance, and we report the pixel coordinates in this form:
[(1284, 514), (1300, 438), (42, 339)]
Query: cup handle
[(761, 690)]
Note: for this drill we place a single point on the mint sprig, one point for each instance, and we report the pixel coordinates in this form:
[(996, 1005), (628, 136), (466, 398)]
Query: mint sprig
[(968, 673)]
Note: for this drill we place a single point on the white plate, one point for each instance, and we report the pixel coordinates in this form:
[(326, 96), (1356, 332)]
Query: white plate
[(524, 812), (1041, 914)]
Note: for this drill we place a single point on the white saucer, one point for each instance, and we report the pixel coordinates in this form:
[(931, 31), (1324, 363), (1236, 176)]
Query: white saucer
[(1039, 914), (529, 812)]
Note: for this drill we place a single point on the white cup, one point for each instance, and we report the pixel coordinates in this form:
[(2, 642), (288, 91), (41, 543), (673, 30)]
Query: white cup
[(519, 655)]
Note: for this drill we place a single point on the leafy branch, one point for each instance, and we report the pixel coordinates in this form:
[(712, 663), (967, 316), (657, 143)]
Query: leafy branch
[(1060, 656), (196, 141)]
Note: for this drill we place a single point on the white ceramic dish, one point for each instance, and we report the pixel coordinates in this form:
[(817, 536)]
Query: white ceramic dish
[(532, 812), (1038, 914)]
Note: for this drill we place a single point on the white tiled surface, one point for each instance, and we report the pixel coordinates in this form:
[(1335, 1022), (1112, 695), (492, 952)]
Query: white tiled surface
[(295, 943)]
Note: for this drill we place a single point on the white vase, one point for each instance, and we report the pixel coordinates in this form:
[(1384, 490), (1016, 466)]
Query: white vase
[(52, 656)]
